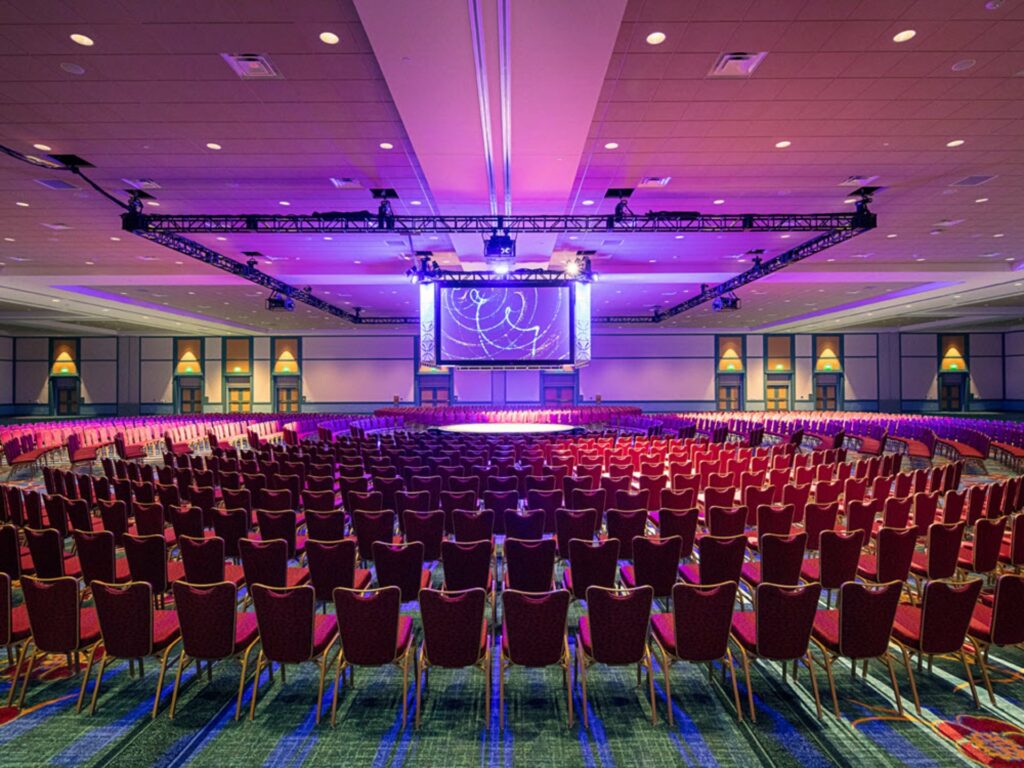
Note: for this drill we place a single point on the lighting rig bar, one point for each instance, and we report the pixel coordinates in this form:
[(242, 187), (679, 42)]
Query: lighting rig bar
[(209, 256), (366, 222)]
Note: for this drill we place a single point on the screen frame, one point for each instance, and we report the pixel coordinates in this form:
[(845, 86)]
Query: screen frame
[(439, 333)]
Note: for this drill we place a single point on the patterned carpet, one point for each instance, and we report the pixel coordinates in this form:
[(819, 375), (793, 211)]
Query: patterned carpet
[(370, 732)]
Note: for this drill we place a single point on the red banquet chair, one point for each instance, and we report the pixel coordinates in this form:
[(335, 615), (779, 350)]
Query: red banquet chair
[(451, 640), (615, 632), (98, 558), (529, 565), (401, 565), (655, 564), (211, 631), (696, 631), (626, 525), (999, 624), (60, 627), (131, 629), (525, 524), (721, 560), (291, 632), (473, 526), (14, 627), (332, 564), (534, 634), (859, 629), (778, 629), (204, 562), (591, 563), (938, 626), (836, 564), (373, 633), (266, 563)]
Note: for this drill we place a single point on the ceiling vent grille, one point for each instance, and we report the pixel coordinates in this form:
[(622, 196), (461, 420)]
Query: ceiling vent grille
[(252, 66), (653, 182), (972, 181), (737, 64), (57, 226), (141, 183), (58, 184), (345, 182), (618, 193)]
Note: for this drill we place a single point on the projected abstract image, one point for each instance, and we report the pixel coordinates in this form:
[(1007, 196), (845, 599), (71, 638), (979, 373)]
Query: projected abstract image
[(481, 324)]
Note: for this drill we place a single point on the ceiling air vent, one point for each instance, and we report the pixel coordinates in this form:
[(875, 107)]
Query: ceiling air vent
[(396, 243), (252, 66), (857, 181), (382, 194), (619, 192), (56, 184), (57, 226), (972, 181), (345, 183), (610, 243), (737, 64), (653, 182), (141, 183)]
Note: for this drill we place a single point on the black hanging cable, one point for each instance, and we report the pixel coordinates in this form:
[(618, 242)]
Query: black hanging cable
[(54, 166)]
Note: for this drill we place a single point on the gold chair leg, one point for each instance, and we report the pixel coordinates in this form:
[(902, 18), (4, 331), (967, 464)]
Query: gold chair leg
[(339, 670), (17, 672), (405, 686), (831, 681), (490, 686), (665, 667), (160, 677), (96, 687), (750, 691), (970, 679), (85, 679), (910, 674), (419, 686), (241, 679), (814, 682), (177, 685), (28, 675), (256, 685), (323, 672), (735, 685), (501, 693), (583, 686), (895, 684), (568, 687), (981, 653), (650, 685)]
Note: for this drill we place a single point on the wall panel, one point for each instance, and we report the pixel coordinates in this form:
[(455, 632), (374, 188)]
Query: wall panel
[(99, 381), (357, 381), (32, 385), (473, 386), (649, 379), (860, 381), (860, 345), (364, 347), (986, 376), (919, 378), (155, 381), (653, 345), (522, 386)]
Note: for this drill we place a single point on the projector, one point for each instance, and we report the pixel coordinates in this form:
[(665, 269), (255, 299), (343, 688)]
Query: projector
[(278, 303), (725, 304), (500, 251)]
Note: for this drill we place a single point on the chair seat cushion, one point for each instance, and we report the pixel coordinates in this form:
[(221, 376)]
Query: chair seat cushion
[(425, 577), (907, 626), (20, 628), (325, 629), (165, 629), (826, 629), (175, 571), (751, 573), (296, 576), (121, 571), (246, 630), (72, 567), (584, 636), (744, 630), (361, 579), (235, 574), (404, 635), (628, 575), (89, 627), (664, 628), (981, 623), (690, 573), (868, 567), (811, 569)]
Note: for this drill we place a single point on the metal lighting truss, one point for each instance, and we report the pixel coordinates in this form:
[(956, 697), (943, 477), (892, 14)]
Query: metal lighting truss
[(164, 228), (367, 222)]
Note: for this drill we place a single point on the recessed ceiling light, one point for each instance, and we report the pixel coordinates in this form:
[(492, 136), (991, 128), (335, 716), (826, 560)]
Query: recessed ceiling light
[(963, 65), (981, 200), (72, 69), (386, 145), (283, 202), (892, 236), (656, 38), (998, 234), (153, 203), (955, 143), (719, 201), (55, 301), (783, 144), (680, 237), (357, 261), (221, 237), (587, 202), (651, 261), (920, 258), (8, 239), (415, 202), (612, 145), (81, 39), (328, 237), (42, 147), (849, 200), (329, 38), (213, 145), (906, 34), (90, 263), (116, 239), (785, 237), (21, 204), (1010, 258)]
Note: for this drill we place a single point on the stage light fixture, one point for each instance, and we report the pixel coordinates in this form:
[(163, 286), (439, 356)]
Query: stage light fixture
[(501, 269)]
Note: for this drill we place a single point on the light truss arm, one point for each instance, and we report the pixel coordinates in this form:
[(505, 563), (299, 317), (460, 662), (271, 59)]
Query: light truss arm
[(366, 222)]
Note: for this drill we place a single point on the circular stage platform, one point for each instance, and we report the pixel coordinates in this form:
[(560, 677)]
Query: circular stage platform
[(506, 428)]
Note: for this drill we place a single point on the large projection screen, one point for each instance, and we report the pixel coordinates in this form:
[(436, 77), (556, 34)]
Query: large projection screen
[(504, 324)]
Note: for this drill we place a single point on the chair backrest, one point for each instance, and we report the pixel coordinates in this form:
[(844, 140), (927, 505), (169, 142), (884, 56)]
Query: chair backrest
[(285, 618), (149, 518), (819, 517), (453, 623), (6, 601), (784, 616), (125, 613), (721, 558), (702, 615), (53, 612), (726, 521), (781, 557), (47, 549), (988, 541), (946, 612), (720, 497), (231, 525), (895, 553), (319, 501), (1008, 610), (325, 526), (399, 565), (839, 556), (332, 564), (774, 519), (279, 525), (535, 626), (467, 564), (860, 515), (530, 564), (656, 563), (574, 524), (681, 523), (203, 559), (370, 527), (187, 521), (866, 614), (625, 525), (473, 526), (619, 622), (428, 529), (943, 549), (10, 551), (525, 524), (279, 500), (96, 555), (592, 564), (368, 624), (264, 562), (147, 560), (78, 515), (206, 615)]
